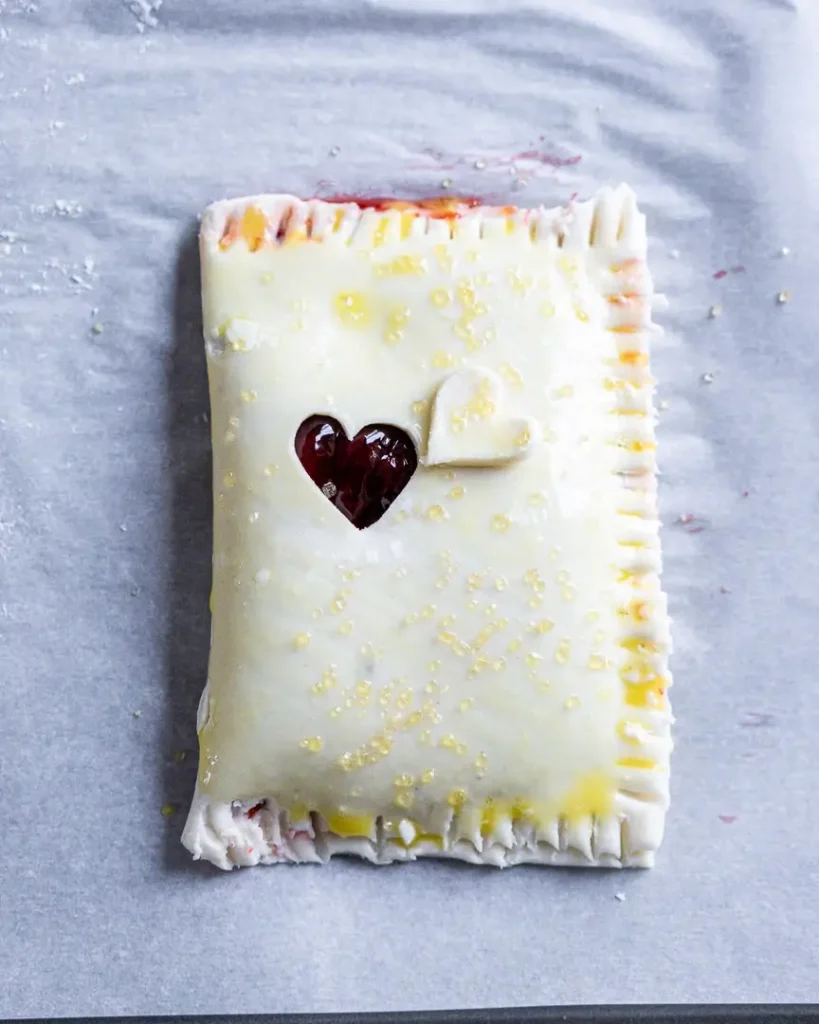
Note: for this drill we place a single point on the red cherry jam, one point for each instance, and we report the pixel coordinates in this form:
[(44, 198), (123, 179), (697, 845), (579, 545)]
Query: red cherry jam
[(362, 477), (437, 208)]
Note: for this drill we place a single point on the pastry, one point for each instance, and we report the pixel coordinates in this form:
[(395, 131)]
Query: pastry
[(437, 623)]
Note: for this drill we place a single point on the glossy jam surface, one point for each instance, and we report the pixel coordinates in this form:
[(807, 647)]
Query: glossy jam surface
[(361, 476)]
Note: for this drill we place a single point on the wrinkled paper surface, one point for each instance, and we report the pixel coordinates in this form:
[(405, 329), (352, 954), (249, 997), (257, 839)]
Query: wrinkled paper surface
[(119, 122)]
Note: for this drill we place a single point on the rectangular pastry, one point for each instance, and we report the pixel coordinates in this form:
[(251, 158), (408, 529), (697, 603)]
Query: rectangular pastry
[(437, 627)]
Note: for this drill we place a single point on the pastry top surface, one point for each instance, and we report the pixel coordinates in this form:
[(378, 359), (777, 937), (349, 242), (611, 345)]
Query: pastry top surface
[(498, 638)]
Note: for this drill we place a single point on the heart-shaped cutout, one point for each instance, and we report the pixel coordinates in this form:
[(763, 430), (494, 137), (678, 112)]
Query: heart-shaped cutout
[(469, 428), (362, 477)]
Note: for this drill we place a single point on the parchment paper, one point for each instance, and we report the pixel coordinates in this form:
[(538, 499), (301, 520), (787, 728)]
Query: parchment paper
[(119, 122)]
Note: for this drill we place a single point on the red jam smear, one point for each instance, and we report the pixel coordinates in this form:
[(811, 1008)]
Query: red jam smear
[(361, 476), (438, 208)]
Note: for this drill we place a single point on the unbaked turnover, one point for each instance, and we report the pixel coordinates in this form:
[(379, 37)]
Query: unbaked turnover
[(438, 627)]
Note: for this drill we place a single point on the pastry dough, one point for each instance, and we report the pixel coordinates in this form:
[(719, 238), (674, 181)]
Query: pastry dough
[(481, 673)]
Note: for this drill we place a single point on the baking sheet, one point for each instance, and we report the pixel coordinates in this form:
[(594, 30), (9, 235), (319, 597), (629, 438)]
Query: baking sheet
[(119, 122)]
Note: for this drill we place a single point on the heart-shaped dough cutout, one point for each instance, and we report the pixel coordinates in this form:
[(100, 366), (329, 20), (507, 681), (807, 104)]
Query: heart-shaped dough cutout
[(361, 476), (468, 426)]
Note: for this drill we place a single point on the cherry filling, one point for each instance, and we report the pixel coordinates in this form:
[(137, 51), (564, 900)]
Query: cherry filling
[(362, 477)]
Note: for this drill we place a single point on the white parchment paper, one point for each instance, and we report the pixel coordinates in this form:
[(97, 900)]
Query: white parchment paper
[(119, 122)]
